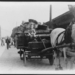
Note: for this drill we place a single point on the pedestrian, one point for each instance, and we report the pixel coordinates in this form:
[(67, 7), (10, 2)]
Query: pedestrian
[(2, 42), (8, 43), (33, 25)]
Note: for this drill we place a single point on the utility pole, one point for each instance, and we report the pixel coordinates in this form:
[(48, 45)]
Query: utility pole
[(50, 18), (50, 13)]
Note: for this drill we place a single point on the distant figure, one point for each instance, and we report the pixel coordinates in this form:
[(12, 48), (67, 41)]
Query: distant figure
[(2, 42), (8, 42)]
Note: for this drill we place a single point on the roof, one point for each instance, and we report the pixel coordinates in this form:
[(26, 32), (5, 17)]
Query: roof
[(60, 20)]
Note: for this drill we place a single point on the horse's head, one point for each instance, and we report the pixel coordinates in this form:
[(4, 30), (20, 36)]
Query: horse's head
[(69, 32)]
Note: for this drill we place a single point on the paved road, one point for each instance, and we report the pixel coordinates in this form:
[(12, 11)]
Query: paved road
[(10, 63), (2, 48)]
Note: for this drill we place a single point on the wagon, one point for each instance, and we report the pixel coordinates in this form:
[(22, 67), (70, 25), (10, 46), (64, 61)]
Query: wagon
[(32, 47)]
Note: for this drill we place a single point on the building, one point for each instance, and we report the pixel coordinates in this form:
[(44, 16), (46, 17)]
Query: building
[(61, 20)]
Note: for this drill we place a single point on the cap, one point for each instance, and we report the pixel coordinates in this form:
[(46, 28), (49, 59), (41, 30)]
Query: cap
[(32, 20), (26, 23)]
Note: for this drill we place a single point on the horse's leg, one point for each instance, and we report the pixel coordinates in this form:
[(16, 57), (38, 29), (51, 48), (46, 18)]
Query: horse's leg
[(55, 59), (65, 57), (58, 65), (72, 61), (60, 60), (54, 55)]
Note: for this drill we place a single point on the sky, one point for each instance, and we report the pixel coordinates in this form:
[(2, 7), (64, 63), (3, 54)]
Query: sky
[(13, 13)]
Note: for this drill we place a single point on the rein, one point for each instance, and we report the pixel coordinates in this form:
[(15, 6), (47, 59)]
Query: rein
[(61, 40)]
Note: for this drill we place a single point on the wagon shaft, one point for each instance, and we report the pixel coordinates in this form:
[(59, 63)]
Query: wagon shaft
[(71, 53), (60, 46)]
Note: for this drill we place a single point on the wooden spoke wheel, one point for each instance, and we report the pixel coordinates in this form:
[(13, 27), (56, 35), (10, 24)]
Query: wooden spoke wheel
[(21, 57), (24, 58)]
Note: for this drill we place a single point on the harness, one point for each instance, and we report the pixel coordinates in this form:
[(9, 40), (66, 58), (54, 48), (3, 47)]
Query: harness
[(62, 41), (67, 36)]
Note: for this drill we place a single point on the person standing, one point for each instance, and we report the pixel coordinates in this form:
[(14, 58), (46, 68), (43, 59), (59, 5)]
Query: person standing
[(2, 42), (8, 43)]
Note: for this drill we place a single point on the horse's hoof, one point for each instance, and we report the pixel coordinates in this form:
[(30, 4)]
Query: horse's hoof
[(59, 68)]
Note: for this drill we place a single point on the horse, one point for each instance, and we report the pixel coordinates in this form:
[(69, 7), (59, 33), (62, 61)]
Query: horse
[(60, 36), (56, 37), (71, 51)]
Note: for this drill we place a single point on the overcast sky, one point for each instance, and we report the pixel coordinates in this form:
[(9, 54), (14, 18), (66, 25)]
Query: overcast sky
[(13, 13)]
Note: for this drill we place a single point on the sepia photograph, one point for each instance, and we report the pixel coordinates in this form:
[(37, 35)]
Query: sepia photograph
[(37, 37)]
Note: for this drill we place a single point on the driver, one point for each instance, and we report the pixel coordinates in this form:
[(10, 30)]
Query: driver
[(33, 24)]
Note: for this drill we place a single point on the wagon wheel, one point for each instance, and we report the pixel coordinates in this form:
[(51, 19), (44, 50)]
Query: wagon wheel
[(21, 55), (51, 59), (24, 58)]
